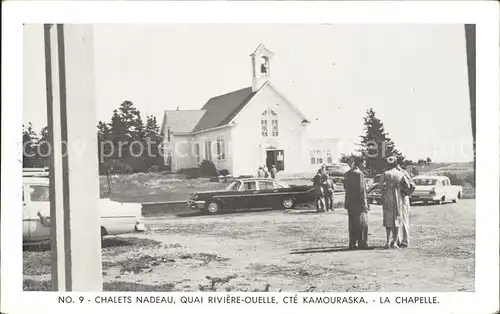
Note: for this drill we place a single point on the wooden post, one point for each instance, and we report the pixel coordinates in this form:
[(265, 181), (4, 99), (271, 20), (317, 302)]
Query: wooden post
[(74, 186)]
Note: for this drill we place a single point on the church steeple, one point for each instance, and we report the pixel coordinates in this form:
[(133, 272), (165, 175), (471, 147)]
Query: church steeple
[(261, 66)]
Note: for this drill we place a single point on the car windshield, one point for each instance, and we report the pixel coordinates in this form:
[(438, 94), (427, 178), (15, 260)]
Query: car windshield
[(39, 193), (424, 182), (234, 186), (343, 168), (282, 185)]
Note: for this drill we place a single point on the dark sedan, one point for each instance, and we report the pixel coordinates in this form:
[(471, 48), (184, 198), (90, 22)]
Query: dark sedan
[(251, 193)]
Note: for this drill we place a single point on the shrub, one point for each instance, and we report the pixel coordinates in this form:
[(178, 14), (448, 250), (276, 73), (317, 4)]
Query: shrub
[(207, 169), (414, 171), (191, 173), (224, 172), (156, 168), (471, 179), (120, 167), (459, 180)]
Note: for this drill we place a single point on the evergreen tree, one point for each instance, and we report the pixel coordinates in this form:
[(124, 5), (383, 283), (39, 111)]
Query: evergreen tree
[(44, 147), (30, 140), (347, 158), (155, 141), (376, 145)]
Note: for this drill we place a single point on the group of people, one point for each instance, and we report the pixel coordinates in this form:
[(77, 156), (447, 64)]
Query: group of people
[(263, 172), (396, 186), (323, 189)]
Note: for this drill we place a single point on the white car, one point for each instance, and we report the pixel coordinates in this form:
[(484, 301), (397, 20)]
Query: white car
[(435, 189), (116, 218)]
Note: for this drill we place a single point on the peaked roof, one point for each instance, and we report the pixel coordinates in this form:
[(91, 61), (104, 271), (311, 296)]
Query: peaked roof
[(182, 121), (220, 110), (262, 48)]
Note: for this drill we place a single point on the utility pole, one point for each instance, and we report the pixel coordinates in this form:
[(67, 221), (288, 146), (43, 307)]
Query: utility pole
[(470, 41), (74, 188)]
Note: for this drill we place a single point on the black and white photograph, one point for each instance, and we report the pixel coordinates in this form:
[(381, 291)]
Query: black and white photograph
[(253, 157)]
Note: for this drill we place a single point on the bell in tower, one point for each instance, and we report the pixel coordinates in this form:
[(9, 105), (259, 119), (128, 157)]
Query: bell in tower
[(264, 67), (261, 60)]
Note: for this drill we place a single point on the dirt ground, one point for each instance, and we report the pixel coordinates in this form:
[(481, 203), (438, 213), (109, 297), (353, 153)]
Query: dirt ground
[(288, 251)]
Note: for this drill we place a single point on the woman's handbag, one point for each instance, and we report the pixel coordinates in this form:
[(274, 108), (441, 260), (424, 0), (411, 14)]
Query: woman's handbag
[(408, 186)]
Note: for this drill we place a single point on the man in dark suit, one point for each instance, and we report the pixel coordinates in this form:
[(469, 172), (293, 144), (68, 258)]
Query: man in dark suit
[(356, 204)]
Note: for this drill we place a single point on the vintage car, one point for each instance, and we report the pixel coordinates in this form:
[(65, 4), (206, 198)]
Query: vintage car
[(337, 170), (374, 196), (116, 218), (435, 189), (252, 193), (373, 190)]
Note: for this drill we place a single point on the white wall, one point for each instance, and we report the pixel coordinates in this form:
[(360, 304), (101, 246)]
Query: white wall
[(249, 147), (182, 156), (322, 144), (212, 136)]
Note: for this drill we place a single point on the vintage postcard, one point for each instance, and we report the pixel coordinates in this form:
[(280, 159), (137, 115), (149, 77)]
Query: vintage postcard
[(232, 162)]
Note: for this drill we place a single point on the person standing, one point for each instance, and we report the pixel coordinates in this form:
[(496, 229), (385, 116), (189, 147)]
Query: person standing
[(407, 189), (260, 172), (274, 171), (392, 182), (266, 172), (356, 204), (318, 192), (328, 189)]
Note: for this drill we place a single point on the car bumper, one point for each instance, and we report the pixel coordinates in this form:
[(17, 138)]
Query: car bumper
[(139, 227), (196, 204), (429, 198), (372, 199)]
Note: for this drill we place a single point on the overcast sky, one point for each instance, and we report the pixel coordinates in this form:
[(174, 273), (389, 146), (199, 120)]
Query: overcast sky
[(413, 76)]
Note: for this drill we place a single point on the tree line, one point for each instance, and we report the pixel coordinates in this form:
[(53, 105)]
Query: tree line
[(375, 146), (126, 144)]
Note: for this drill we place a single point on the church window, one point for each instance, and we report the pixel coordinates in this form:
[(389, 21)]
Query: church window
[(221, 150), (197, 152), (318, 156), (269, 123), (208, 150)]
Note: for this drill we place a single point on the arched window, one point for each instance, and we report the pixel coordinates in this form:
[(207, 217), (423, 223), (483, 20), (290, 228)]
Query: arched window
[(269, 124)]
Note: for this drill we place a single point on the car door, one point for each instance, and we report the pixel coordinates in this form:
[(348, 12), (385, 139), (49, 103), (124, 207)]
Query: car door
[(39, 211), (26, 218), (446, 188), (268, 194), (250, 195), (232, 198), (449, 192)]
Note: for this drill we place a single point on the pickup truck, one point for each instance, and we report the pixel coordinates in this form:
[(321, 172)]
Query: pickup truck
[(435, 189)]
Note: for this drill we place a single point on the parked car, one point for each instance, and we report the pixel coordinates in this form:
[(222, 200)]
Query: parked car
[(116, 218), (252, 193), (337, 170), (435, 189), (374, 196), (372, 183)]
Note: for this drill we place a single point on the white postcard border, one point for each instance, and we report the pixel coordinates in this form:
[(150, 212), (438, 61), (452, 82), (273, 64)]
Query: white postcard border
[(484, 14)]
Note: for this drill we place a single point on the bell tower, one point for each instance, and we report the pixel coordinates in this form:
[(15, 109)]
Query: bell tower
[(261, 66)]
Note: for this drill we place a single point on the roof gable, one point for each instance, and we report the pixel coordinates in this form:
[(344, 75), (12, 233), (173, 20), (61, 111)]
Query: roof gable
[(182, 121), (220, 110), (290, 104)]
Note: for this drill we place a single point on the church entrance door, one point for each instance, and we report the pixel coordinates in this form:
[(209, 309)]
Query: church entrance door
[(277, 158)]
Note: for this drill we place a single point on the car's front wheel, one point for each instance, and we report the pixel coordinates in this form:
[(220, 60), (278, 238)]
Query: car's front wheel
[(288, 203), (212, 207)]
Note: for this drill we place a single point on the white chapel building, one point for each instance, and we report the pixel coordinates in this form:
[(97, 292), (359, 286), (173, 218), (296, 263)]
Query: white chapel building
[(243, 129)]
